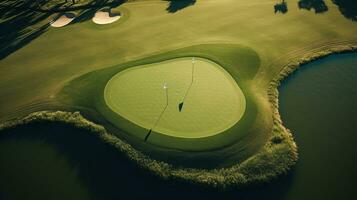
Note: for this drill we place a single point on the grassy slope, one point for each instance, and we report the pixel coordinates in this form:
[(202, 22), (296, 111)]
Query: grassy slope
[(91, 87), (265, 165), (35, 73), (84, 47)]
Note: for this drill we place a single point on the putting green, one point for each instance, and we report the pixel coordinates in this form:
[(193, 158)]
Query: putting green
[(212, 100)]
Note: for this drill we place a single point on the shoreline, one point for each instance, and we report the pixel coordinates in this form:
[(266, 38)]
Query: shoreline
[(280, 146)]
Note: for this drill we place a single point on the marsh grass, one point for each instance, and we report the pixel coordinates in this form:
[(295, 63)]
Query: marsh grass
[(260, 168)]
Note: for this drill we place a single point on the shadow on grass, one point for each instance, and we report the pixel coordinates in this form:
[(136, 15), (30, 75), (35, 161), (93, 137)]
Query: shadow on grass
[(281, 7), (22, 21), (348, 8), (108, 174), (177, 5), (88, 13), (57, 5), (319, 6), (16, 30)]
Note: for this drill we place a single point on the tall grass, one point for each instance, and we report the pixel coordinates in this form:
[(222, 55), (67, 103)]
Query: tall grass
[(261, 167)]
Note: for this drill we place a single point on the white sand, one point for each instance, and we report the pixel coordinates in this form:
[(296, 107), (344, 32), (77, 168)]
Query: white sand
[(63, 20), (105, 17)]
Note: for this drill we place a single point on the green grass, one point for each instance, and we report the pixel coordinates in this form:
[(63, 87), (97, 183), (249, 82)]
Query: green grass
[(86, 46), (68, 69), (91, 95), (214, 103)]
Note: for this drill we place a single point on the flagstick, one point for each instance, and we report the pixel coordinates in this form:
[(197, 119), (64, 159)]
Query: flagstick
[(162, 112), (189, 88)]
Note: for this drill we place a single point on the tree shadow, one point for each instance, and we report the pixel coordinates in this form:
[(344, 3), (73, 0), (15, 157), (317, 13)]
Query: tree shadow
[(19, 26), (57, 5), (88, 13), (319, 6), (108, 174), (281, 7), (348, 8), (24, 21), (176, 5)]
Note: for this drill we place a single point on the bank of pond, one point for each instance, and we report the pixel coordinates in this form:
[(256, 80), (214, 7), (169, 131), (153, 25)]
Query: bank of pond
[(47, 160)]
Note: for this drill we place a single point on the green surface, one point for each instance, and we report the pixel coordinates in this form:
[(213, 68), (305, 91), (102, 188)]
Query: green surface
[(83, 47), (213, 104), (92, 86)]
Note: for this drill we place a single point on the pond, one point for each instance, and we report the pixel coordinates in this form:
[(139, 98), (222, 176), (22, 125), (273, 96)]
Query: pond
[(318, 103)]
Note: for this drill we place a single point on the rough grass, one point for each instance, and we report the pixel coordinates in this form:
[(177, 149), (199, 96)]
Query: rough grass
[(277, 158)]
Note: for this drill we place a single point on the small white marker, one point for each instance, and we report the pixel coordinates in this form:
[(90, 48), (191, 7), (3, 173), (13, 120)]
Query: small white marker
[(165, 86), (193, 60)]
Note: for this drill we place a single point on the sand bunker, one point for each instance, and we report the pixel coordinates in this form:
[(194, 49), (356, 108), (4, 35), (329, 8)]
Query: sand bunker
[(105, 17), (63, 20)]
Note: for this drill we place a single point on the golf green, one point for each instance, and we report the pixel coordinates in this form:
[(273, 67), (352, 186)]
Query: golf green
[(184, 98)]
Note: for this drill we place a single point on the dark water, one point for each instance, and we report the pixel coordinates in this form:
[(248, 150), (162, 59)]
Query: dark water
[(57, 161), (319, 104)]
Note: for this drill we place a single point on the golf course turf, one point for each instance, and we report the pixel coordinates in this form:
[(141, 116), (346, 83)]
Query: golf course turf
[(115, 75), (213, 104), (216, 57)]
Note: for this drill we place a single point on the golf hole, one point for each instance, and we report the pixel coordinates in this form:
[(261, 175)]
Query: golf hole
[(177, 98)]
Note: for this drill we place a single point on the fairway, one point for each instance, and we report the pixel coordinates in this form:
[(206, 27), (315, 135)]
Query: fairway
[(211, 100)]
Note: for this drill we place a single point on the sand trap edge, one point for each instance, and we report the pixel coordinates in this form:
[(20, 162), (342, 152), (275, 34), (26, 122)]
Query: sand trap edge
[(63, 20)]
